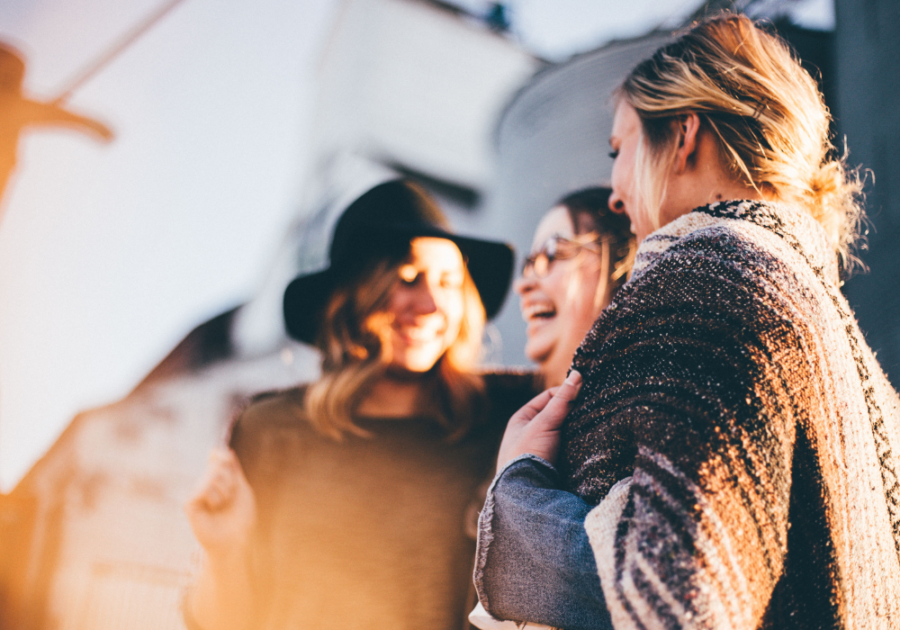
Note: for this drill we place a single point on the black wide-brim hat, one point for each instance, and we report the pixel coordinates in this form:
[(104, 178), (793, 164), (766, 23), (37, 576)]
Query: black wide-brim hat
[(380, 225)]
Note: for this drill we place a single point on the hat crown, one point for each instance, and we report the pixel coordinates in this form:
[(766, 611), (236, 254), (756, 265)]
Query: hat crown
[(391, 205)]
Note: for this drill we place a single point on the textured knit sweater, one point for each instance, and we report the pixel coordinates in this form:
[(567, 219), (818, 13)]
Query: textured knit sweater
[(738, 435)]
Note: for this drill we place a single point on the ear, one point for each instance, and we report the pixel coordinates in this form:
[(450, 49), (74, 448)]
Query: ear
[(688, 129)]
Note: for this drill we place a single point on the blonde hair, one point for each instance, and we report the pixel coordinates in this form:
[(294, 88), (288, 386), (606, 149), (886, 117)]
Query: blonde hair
[(355, 356), (766, 111)]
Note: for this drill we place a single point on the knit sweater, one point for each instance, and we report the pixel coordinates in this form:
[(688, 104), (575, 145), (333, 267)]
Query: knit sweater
[(738, 435)]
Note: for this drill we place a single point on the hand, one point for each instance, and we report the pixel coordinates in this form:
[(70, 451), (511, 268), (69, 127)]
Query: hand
[(535, 427), (222, 511)]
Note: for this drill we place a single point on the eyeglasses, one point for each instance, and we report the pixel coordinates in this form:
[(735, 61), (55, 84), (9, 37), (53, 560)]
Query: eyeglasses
[(556, 248)]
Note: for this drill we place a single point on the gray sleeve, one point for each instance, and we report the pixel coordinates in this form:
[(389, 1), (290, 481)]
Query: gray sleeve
[(534, 562)]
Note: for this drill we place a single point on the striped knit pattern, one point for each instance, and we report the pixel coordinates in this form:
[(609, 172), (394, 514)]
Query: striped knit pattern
[(738, 435)]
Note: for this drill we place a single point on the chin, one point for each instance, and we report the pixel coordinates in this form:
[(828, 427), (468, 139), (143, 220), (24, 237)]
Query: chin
[(413, 364), (538, 351)]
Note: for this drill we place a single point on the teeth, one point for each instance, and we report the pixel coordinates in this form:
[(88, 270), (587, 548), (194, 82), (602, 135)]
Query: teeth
[(419, 334), (537, 310)]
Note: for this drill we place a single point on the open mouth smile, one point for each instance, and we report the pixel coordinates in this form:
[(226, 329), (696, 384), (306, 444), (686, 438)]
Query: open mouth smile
[(538, 311)]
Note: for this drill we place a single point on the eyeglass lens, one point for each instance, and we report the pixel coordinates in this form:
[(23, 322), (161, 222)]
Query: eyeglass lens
[(539, 262), (556, 248)]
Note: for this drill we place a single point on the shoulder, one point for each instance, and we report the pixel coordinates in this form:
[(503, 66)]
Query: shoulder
[(708, 247), (268, 417), (273, 406), (714, 282), (502, 382), (713, 265), (761, 240)]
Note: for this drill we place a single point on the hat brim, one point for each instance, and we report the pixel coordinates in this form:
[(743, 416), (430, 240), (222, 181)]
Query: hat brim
[(490, 264), (304, 303)]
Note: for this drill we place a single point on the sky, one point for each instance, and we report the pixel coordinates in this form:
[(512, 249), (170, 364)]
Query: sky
[(110, 254)]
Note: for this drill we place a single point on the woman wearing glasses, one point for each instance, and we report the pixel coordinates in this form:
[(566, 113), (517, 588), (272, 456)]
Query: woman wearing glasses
[(581, 255)]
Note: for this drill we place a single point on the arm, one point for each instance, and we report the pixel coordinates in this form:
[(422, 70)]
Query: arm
[(683, 434), (222, 514), (695, 390), (534, 562)]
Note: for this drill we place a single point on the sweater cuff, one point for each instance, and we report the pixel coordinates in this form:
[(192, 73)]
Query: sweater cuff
[(486, 518)]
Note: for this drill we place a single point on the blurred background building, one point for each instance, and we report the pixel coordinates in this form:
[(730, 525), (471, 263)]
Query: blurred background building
[(94, 536)]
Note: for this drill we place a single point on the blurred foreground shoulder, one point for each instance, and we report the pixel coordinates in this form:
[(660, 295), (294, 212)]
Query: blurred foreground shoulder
[(508, 389), (268, 428)]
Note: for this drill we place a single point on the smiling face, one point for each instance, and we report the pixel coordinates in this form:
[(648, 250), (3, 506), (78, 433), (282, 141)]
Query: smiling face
[(425, 307), (561, 307)]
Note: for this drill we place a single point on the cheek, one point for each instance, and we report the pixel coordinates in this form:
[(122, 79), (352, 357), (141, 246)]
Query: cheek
[(455, 313), (556, 284), (618, 169), (380, 325), (583, 297), (397, 301)]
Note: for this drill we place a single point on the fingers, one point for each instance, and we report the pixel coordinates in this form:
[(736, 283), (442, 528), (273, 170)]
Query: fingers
[(571, 386), (551, 417), (532, 408), (535, 428)]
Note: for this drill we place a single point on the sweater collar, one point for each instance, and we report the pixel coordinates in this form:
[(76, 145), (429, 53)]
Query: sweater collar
[(796, 227)]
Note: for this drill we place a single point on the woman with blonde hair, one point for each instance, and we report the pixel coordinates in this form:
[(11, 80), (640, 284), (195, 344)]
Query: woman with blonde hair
[(346, 503), (731, 459)]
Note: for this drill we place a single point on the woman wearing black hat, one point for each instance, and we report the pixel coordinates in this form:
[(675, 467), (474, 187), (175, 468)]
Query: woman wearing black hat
[(345, 503)]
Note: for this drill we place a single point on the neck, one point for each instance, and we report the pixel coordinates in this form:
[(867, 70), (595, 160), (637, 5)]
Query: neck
[(392, 397), (702, 179), (712, 191)]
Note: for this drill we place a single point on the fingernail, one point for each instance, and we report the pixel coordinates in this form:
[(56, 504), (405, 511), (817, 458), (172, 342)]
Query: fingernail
[(574, 378)]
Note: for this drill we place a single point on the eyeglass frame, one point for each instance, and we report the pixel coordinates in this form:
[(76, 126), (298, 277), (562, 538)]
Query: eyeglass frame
[(541, 270)]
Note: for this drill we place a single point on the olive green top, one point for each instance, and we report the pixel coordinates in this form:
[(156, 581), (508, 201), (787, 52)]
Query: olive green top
[(367, 532)]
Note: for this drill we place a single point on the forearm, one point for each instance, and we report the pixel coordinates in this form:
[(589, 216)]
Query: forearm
[(534, 560), (222, 597)]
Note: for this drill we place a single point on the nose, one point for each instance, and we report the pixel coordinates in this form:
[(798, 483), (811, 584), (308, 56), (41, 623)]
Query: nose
[(426, 299), (525, 283)]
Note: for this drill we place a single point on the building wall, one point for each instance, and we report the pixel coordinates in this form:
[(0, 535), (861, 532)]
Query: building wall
[(868, 87), (410, 83), (553, 139), (406, 85)]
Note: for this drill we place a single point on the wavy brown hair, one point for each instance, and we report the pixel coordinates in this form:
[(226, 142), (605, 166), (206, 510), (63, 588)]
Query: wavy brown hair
[(589, 211), (766, 111), (354, 358)]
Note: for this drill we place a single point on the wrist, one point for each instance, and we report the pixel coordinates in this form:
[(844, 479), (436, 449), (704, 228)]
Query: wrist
[(529, 459)]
